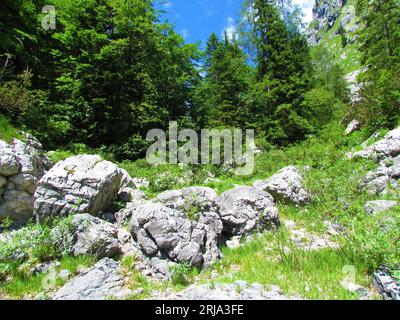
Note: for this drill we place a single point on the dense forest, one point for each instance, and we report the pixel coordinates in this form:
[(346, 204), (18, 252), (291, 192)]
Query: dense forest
[(111, 70)]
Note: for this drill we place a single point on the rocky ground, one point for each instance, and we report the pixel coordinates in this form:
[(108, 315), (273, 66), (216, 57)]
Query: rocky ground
[(188, 226)]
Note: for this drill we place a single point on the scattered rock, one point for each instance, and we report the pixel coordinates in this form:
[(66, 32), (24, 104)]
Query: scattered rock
[(352, 127), (286, 186), (102, 281), (239, 290), (383, 180), (389, 146), (363, 293), (387, 286), (374, 207), (245, 210), (80, 184), (88, 235), (44, 267), (64, 275)]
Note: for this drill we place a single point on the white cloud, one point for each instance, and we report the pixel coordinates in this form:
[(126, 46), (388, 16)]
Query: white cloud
[(230, 28)]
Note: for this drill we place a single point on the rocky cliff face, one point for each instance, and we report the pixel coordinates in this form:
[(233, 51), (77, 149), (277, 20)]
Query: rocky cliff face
[(337, 16), (325, 14)]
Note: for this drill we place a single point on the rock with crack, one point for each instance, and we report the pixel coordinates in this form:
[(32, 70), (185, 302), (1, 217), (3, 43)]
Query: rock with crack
[(168, 234), (286, 186), (374, 207), (123, 216), (239, 290), (22, 164), (88, 235), (246, 210), (80, 184), (199, 203), (387, 286), (101, 282)]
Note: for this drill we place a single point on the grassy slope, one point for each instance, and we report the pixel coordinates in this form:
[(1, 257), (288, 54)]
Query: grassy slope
[(348, 57), (7, 131), (334, 182)]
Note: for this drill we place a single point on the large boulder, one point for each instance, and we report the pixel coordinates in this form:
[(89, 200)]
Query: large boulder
[(245, 210), (101, 282), (80, 184), (88, 235), (286, 186), (22, 164), (168, 234)]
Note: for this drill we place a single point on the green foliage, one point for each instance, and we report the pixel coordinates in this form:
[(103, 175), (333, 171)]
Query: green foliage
[(15, 96), (180, 274), (319, 106), (21, 283), (283, 72), (380, 47), (8, 131), (220, 96), (376, 239)]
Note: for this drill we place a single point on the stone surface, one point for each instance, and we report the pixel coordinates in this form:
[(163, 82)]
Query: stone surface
[(102, 281), (239, 290), (130, 195), (200, 203), (387, 286), (88, 235), (286, 186), (384, 179), (168, 234), (389, 146), (124, 215), (374, 207), (352, 127), (305, 240), (80, 184), (245, 210), (22, 164)]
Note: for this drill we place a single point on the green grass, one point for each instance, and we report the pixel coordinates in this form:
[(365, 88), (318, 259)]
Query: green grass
[(23, 284), (304, 274), (7, 131), (334, 182)]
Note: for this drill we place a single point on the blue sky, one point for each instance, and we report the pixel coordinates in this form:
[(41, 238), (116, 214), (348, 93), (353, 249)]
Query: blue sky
[(197, 19)]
